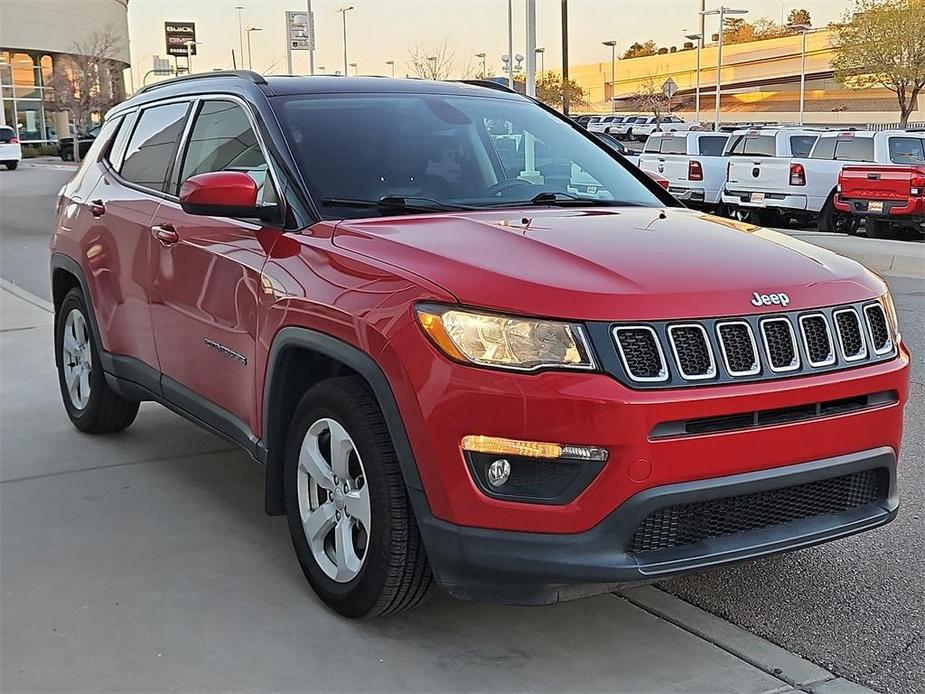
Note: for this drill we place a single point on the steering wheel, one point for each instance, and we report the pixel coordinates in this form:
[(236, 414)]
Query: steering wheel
[(503, 186)]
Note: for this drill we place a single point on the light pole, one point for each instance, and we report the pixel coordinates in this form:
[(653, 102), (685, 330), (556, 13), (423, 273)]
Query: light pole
[(189, 54), (240, 9), (250, 54), (354, 66), (613, 73), (510, 43), (722, 11), (391, 63), (343, 12), (802, 28), (484, 70), (542, 53), (699, 39)]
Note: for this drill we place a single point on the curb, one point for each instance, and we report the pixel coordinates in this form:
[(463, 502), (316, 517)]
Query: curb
[(797, 672), (905, 258), (34, 164), (26, 296)]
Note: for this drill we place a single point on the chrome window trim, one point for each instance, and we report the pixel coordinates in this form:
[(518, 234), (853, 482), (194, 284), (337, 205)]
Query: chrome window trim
[(828, 334), (841, 343), (870, 332), (663, 374), (795, 364), (677, 360), (722, 348)]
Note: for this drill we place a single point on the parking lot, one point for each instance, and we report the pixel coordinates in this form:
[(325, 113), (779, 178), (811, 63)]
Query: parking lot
[(142, 561)]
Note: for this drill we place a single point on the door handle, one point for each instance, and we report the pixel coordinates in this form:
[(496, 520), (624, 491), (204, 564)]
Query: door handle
[(165, 233), (97, 208)]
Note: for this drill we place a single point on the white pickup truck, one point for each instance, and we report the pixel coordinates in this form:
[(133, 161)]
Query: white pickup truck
[(693, 163), (667, 124), (758, 175)]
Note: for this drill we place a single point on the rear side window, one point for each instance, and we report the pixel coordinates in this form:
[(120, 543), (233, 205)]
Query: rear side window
[(222, 139), (6, 135), (712, 146), (673, 145), (800, 145), (907, 150), (120, 141), (152, 146), (854, 149), (753, 145), (824, 149)]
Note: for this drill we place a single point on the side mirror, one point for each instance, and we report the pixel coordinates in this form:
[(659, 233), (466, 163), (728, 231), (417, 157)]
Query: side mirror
[(224, 194)]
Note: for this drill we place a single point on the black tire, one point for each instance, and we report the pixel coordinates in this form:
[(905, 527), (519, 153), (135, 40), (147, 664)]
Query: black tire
[(883, 229), (395, 575), (105, 411), (67, 155), (11, 165), (834, 222)]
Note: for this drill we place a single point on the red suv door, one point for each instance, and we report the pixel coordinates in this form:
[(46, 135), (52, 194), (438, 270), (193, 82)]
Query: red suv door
[(207, 272)]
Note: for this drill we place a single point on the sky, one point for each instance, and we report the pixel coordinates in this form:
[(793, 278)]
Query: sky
[(381, 30)]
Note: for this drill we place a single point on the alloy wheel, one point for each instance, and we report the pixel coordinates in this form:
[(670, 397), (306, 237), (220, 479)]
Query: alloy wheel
[(333, 500), (76, 359)]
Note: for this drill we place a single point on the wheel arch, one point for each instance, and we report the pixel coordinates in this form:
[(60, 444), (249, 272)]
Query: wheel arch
[(66, 274), (299, 358)]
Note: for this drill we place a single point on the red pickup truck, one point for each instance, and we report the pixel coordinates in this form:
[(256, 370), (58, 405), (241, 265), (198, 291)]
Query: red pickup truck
[(890, 198)]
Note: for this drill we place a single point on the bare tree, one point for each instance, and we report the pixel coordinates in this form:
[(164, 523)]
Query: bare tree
[(650, 98), (431, 62), (83, 83)]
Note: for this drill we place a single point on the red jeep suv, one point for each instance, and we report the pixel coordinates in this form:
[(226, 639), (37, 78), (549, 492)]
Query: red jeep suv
[(467, 343)]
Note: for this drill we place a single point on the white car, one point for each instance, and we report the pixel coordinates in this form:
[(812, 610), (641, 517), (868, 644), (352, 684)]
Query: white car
[(758, 176), (10, 151), (624, 129), (602, 123), (693, 163), (667, 124)]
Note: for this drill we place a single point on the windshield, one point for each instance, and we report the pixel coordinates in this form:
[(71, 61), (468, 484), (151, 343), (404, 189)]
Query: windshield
[(470, 151)]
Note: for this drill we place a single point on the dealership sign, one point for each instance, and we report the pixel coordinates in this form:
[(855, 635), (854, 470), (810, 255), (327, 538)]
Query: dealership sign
[(300, 30), (177, 34)]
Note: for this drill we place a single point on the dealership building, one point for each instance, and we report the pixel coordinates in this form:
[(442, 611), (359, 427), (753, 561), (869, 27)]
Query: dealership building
[(34, 35)]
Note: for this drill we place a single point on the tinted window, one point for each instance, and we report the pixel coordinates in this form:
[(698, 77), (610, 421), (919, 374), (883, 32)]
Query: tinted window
[(854, 149), (120, 141), (7, 134), (800, 145), (673, 145), (712, 146), (824, 148), (907, 150), (753, 145), (153, 144), (479, 151), (222, 139)]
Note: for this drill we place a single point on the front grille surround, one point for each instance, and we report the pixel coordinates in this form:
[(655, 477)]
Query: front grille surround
[(706, 373), (846, 331), (805, 320), (767, 325), (739, 350)]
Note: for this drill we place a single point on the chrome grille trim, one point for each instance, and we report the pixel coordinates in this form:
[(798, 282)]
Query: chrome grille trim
[(888, 347), (722, 348), (711, 372), (663, 373), (862, 354), (795, 362), (828, 334)]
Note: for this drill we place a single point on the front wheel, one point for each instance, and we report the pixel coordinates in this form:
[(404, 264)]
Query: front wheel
[(833, 221), (349, 516), (11, 165)]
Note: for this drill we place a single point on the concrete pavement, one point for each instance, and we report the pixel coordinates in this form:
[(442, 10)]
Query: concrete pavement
[(142, 561)]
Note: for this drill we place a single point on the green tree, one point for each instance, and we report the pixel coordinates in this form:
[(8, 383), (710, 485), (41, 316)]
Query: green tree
[(883, 44), (549, 89), (639, 50)]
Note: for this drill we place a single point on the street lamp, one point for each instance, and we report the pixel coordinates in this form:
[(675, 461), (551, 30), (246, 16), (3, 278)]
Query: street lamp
[(250, 54), (542, 53), (722, 11), (354, 66), (484, 69), (391, 63), (802, 28), (613, 73), (189, 43), (343, 11), (699, 39), (240, 9)]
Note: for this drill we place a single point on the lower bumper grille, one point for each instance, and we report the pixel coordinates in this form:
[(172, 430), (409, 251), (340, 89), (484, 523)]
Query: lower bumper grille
[(686, 524)]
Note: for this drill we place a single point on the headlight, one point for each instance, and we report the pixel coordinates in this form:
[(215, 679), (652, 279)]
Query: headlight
[(892, 321), (507, 342)]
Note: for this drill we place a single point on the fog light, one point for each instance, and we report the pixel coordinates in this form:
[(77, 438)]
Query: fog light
[(499, 472)]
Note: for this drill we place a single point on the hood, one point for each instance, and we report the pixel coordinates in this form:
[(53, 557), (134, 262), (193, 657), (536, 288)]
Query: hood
[(609, 263)]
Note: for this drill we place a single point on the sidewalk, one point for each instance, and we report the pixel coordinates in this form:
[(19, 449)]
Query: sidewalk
[(143, 561)]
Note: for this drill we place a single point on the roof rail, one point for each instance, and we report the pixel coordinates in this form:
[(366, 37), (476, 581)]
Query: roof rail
[(248, 75), (488, 84)]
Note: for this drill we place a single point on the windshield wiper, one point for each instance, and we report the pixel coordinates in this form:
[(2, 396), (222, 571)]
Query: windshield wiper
[(398, 202), (563, 199)]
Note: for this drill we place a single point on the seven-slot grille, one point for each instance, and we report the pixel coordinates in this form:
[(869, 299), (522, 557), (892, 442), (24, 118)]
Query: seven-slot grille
[(776, 345)]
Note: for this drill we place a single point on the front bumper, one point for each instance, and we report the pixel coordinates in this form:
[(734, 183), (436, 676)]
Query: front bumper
[(541, 568)]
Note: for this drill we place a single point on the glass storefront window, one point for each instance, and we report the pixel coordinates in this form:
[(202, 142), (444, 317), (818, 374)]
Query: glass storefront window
[(31, 119)]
